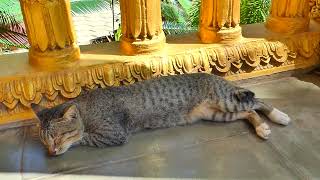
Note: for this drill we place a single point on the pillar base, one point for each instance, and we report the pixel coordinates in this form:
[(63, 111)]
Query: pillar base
[(287, 25), (54, 58), (131, 47), (224, 35)]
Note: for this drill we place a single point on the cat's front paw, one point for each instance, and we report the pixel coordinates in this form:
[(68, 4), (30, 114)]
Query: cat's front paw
[(279, 117), (263, 131)]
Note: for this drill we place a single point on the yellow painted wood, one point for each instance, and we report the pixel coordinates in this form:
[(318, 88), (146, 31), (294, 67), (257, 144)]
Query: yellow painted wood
[(141, 26), (219, 21), (289, 16), (50, 32)]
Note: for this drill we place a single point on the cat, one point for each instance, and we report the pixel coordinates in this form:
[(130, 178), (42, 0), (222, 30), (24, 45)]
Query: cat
[(107, 117)]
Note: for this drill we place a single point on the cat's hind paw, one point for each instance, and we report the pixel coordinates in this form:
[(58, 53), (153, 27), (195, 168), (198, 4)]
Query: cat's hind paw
[(263, 131), (279, 117)]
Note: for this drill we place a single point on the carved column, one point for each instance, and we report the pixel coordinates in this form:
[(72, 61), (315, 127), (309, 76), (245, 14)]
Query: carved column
[(219, 20), (141, 26), (289, 16), (50, 32)]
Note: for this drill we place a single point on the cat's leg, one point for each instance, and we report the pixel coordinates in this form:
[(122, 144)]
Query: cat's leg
[(262, 129), (112, 136), (86, 140), (98, 140), (272, 113)]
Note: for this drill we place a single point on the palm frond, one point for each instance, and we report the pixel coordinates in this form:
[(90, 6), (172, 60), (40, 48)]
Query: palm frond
[(12, 7), (254, 11), (185, 4), (171, 13), (89, 6), (12, 32), (194, 13)]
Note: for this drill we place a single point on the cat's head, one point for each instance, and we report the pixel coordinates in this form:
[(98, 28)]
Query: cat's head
[(60, 127)]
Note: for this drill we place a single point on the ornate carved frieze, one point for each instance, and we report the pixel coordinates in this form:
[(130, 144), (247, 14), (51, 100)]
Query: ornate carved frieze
[(315, 9)]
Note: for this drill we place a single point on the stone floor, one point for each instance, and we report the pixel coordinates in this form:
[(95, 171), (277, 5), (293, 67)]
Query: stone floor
[(204, 150)]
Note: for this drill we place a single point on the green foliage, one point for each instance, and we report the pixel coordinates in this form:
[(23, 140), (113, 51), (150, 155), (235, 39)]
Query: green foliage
[(11, 7), (89, 6), (175, 16), (172, 12), (174, 28), (194, 13), (118, 34), (185, 4), (12, 32), (254, 11)]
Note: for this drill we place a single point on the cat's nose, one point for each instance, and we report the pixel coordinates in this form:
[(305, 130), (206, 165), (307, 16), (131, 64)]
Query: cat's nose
[(52, 152)]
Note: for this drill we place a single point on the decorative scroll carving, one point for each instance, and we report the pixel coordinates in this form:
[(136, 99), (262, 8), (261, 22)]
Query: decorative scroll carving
[(219, 20), (289, 16), (315, 9), (50, 32), (141, 26)]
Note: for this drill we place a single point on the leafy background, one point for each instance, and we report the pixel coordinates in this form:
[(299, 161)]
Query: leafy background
[(179, 16)]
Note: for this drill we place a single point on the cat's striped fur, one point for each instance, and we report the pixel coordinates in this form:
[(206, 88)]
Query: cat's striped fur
[(107, 117)]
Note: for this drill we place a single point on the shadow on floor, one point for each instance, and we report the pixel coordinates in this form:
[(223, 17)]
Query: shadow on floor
[(312, 77)]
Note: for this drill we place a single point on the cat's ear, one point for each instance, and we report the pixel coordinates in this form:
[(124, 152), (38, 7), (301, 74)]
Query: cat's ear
[(37, 108), (244, 95), (71, 113)]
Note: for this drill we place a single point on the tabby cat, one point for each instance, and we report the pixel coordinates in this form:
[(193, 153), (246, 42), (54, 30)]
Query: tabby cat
[(107, 117)]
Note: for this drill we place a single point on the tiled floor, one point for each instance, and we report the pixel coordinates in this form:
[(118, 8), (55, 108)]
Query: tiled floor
[(204, 150)]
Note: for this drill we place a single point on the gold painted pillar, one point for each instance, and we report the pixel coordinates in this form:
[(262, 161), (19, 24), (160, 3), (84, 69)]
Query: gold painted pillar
[(141, 26), (50, 32), (289, 16), (219, 21)]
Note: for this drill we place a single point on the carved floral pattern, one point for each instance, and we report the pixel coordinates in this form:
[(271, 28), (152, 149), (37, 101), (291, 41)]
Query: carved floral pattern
[(315, 9)]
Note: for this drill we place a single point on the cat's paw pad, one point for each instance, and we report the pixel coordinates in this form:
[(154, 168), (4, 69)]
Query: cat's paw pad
[(279, 117), (263, 131)]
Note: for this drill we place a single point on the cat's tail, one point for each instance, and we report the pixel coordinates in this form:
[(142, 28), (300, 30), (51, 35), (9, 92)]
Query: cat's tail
[(272, 113)]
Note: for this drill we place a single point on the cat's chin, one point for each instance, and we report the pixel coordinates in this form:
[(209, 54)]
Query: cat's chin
[(65, 149), (61, 151)]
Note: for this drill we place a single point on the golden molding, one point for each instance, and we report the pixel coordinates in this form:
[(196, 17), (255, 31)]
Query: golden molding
[(245, 59), (314, 9)]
